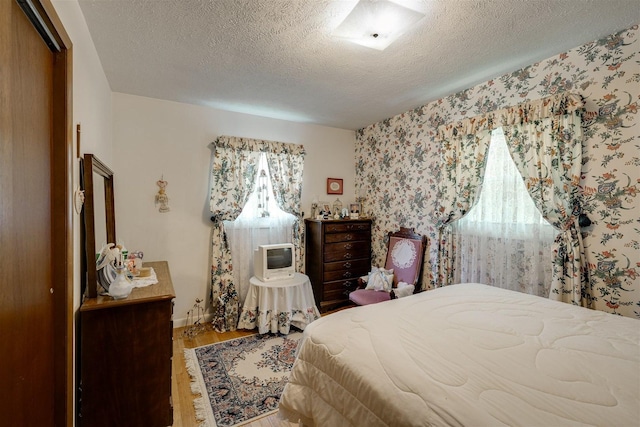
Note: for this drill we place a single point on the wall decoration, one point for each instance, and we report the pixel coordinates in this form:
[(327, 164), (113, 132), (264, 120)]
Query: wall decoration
[(78, 134), (161, 198), (334, 186), (78, 200)]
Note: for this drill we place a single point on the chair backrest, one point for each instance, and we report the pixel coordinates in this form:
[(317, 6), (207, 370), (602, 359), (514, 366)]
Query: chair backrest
[(405, 254)]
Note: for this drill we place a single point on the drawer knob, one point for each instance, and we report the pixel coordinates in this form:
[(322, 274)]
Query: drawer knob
[(347, 265), (347, 274), (348, 237), (348, 246), (347, 255)]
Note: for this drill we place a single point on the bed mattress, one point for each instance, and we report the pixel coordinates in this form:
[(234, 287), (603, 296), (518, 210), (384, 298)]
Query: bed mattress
[(467, 355)]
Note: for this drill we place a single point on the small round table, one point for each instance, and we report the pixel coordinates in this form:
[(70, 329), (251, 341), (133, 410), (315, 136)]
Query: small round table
[(275, 306)]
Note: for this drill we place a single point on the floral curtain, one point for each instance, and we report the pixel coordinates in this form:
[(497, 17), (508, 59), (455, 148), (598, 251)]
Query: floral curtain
[(233, 177), (504, 241), (286, 162), (545, 139), (464, 160)]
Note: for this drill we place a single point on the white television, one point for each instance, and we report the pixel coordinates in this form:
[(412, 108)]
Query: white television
[(274, 262)]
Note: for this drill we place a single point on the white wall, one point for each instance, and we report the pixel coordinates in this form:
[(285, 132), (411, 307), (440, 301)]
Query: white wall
[(155, 138), (91, 106), (91, 91)]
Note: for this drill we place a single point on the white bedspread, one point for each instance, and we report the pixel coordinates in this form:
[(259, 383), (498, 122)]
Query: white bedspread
[(467, 355)]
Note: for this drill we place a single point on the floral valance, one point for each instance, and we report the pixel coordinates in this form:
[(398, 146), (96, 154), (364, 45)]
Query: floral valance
[(556, 105), (260, 145)]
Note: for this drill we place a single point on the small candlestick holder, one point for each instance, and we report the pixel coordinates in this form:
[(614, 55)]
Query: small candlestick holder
[(195, 321), (361, 201)]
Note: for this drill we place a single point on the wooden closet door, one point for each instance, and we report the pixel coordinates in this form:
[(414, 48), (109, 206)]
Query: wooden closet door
[(34, 354)]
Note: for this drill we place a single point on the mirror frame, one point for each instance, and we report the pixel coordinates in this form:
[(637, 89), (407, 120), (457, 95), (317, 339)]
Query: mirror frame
[(93, 165)]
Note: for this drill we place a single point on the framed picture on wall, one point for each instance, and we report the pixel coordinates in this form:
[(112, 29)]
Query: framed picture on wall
[(334, 186)]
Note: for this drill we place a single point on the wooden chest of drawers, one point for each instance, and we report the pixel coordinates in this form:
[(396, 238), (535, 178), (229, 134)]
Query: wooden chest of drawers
[(337, 252), (126, 350)]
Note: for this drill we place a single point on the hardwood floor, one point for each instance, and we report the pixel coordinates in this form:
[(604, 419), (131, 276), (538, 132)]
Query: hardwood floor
[(183, 412)]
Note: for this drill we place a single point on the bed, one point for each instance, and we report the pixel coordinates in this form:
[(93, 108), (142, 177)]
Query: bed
[(466, 355)]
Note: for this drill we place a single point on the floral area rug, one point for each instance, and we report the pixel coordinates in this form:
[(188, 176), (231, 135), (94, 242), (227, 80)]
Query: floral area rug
[(241, 379)]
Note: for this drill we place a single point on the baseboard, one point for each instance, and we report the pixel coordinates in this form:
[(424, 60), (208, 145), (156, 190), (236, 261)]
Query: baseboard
[(179, 323)]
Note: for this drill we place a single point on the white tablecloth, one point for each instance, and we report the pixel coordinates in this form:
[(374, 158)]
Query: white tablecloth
[(275, 306)]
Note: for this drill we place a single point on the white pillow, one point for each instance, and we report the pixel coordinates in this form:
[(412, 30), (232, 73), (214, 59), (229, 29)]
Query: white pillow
[(380, 279), (404, 290)]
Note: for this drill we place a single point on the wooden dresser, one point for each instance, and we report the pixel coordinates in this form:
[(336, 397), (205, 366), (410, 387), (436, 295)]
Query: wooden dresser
[(337, 252), (126, 347)]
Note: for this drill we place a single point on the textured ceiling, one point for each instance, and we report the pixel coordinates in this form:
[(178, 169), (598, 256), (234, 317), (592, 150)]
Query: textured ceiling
[(276, 58)]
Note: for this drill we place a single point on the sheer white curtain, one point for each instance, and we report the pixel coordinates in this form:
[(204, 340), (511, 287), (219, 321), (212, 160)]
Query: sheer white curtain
[(503, 241), (253, 227)]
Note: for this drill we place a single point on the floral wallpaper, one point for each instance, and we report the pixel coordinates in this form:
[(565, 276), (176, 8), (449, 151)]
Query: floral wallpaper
[(397, 159)]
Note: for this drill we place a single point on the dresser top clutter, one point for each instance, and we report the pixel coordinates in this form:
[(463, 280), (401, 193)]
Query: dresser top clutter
[(157, 292)]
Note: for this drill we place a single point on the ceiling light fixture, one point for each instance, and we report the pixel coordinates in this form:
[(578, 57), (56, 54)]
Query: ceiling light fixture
[(376, 23)]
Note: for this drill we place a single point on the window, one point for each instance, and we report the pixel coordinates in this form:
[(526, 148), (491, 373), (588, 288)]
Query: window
[(261, 222), (262, 204), (504, 240)]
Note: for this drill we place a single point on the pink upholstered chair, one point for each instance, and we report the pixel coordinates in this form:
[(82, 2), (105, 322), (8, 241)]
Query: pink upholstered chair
[(405, 252)]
